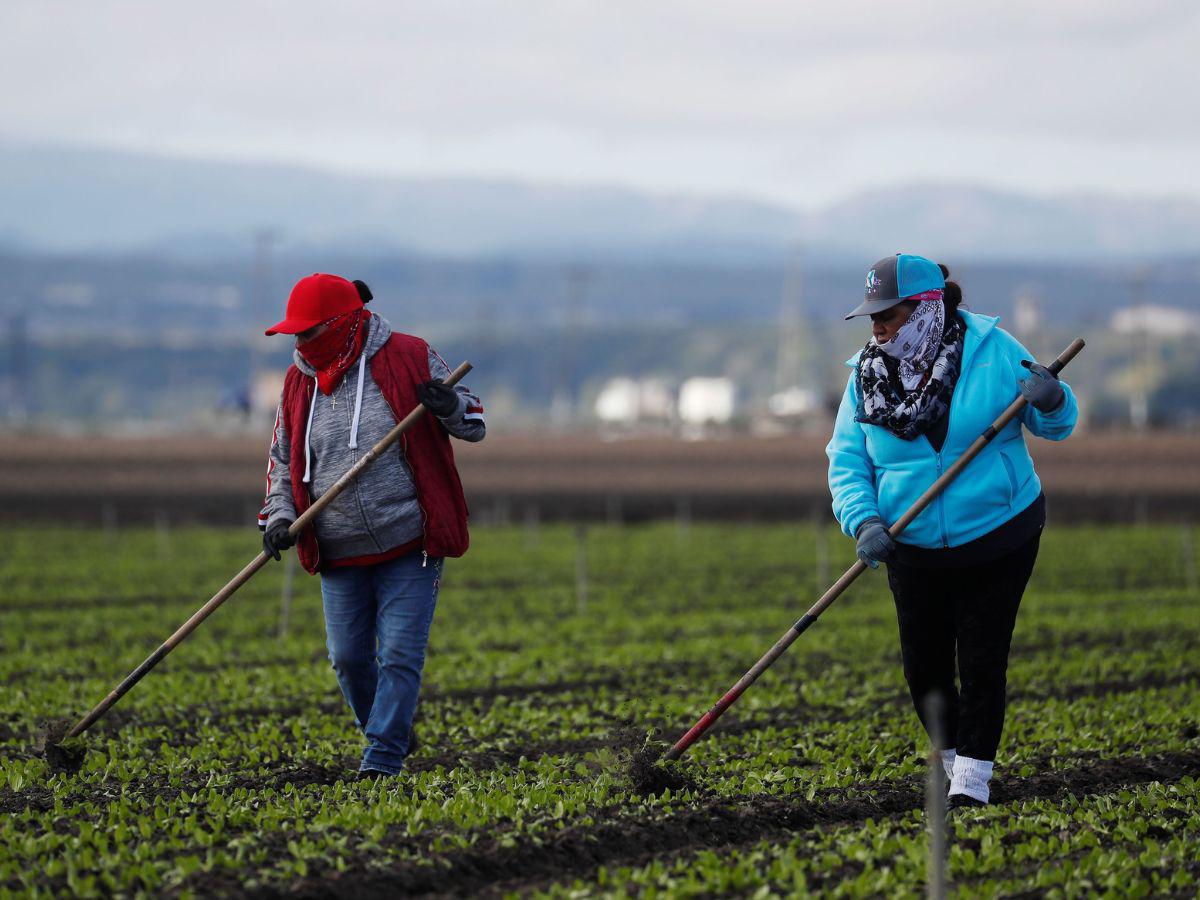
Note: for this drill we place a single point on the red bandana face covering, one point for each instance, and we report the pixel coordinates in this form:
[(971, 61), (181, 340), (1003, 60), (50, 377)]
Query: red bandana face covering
[(336, 349)]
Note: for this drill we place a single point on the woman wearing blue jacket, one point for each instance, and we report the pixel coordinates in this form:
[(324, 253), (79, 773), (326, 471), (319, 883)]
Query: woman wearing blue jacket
[(929, 381)]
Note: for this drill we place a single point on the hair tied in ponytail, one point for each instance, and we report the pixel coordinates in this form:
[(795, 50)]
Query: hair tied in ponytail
[(364, 292), (952, 294)]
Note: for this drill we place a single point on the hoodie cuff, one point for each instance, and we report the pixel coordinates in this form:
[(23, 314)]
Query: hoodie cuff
[(855, 521), (456, 417), (288, 515), (864, 523), (1058, 413)]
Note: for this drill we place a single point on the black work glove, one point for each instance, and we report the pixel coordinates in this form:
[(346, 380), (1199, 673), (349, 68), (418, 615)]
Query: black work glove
[(1042, 388), (875, 543), (440, 399), (276, 538)]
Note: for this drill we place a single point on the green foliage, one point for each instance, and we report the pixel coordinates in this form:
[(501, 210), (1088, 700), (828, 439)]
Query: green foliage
[(230, 767)]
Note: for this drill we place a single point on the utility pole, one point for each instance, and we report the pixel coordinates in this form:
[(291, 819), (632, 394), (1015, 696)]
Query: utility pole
[(1139, 396), (787, 354), (799, 369), (18, 367), (487, 322), (1027, 316), (565, 402), (260, 310)]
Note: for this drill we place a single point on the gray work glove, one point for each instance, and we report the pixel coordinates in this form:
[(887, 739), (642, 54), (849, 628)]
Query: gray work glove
[(1042, 388), (875, 544), (276, 538), (440, 399)]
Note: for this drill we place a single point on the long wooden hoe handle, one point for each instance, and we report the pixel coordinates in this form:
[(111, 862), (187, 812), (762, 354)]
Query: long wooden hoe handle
[(806, 620), (255, 564)]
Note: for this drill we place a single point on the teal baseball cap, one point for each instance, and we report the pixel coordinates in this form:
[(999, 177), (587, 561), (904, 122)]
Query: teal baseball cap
[(895, 277)]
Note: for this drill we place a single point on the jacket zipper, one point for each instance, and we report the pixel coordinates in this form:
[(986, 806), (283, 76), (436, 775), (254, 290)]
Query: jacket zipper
[(940, 503)]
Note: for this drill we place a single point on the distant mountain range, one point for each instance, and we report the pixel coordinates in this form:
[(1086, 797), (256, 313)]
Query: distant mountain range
[(83, 200)]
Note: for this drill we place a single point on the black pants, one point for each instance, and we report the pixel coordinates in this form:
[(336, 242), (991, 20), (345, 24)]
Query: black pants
[(971, 609)]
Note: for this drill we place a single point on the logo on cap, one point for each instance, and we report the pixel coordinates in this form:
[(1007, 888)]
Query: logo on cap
[(872, 281)]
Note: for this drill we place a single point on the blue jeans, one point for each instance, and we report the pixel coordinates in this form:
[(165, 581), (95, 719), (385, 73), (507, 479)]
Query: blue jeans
[(377, 626)]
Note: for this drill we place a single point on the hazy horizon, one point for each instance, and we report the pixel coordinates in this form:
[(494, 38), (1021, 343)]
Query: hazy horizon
[(783, 203)]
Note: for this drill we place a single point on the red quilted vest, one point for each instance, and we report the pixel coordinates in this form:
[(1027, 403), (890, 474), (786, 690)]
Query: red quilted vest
[(399, 366)]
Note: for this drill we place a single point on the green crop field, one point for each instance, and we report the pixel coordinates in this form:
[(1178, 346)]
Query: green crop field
[(229, 769)]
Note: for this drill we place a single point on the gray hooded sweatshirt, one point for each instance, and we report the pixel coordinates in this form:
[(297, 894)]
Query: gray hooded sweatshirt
[(378, 511)]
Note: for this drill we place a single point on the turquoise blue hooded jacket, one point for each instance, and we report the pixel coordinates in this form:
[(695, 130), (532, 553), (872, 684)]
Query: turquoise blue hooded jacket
[(874, 473)]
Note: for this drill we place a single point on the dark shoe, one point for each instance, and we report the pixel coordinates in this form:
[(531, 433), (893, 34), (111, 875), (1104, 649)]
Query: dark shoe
[(963, 801), (373, 775)]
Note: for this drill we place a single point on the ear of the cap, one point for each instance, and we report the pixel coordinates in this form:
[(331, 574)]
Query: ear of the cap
[(916, 274)]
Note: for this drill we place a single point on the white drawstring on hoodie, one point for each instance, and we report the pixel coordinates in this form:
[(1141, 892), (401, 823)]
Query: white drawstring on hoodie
[(362, 371), (362, 374), (312, 407)]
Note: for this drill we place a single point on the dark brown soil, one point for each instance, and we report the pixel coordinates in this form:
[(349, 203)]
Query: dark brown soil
[(65, 757), (39, 799), (1093, 476), (1098, 776)]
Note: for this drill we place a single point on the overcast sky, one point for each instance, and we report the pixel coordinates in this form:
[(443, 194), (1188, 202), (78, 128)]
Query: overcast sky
[(790, 101)]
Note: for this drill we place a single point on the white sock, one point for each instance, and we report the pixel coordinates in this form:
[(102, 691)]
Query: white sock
[(948, 762), (971, 777)]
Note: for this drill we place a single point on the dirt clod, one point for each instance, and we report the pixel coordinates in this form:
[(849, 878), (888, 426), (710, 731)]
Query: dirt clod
[(65, 755), (648, 772)]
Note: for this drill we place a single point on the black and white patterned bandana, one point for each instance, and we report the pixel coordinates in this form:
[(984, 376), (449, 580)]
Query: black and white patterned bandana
[(916, 344), (893, 396)]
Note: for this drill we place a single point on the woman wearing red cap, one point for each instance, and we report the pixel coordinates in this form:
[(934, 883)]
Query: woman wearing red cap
[(379, 545), (928, 382)]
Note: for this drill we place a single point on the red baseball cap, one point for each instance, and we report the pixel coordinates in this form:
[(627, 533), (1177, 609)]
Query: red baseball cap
[(316, 299)]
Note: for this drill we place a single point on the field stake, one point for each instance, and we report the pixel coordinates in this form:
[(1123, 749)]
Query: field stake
[(255, 564), (821, 547), (935, 800), (581, 569), (108, 518), (1188, 546), (162, 534), (613, 511), (683, 518), (285, 594), (805, 621), (533, 526)]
